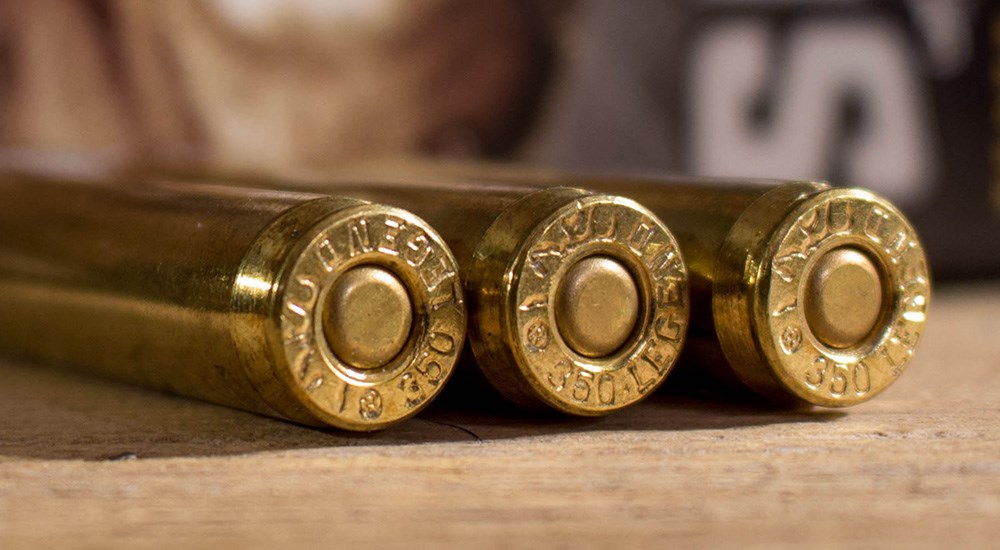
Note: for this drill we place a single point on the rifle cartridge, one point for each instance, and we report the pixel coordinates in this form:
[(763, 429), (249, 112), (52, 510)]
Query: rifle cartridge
[(321, 310)]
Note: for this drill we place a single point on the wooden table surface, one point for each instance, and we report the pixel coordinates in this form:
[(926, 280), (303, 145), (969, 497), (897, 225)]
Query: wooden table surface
[(90, 463)]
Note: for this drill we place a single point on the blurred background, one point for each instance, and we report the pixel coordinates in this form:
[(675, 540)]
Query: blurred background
[(900, 96)]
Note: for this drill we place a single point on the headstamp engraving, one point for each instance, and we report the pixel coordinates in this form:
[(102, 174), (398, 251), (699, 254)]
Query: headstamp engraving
[(370, 405)]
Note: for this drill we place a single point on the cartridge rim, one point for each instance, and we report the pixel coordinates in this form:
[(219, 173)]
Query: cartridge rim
[(801, 355), (332, 389), (548, 370)]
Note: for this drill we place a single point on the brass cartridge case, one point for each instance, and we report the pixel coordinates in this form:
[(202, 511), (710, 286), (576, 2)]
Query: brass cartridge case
[(322, 310), (578, 301), (803, 293)]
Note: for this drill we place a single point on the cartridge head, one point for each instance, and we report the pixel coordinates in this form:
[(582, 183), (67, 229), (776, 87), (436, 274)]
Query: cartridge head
[(580, 302), (822, 295), (365, 317)]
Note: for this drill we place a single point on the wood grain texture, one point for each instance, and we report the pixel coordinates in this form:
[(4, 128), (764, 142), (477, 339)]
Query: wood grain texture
[(89, 463)]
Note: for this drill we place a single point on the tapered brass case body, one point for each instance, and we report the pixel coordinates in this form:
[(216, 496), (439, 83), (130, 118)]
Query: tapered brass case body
[(230, 295), (578, 301), (804, 293)]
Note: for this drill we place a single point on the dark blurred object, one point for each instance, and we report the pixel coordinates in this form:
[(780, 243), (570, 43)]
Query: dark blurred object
[(891, 95)]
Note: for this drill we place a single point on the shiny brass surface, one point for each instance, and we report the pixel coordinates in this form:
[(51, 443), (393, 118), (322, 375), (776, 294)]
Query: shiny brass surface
[(230, 295), (597, 306), (776, 287), (578, 301)]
